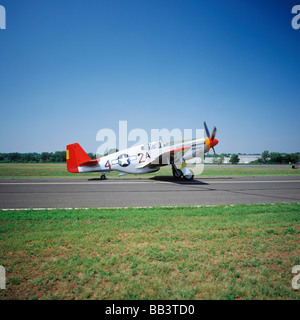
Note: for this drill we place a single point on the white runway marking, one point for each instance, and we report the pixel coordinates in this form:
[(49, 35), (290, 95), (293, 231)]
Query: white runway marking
[(147, 181), (87, 182), (120, 208)]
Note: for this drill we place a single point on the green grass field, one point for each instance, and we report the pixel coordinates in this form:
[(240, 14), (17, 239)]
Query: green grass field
[(60, 171), (222, 252)]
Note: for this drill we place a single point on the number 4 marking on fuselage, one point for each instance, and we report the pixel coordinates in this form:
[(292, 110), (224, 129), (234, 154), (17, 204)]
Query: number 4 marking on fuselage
[(107, 165)]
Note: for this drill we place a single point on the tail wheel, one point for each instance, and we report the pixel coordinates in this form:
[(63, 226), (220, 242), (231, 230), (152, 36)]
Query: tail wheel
[(103, 177)]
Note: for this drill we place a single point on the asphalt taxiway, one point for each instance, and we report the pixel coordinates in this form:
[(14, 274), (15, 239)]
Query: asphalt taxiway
[(145, 192)]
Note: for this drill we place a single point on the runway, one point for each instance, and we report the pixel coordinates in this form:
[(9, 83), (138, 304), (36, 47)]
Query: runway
[(145, 192)]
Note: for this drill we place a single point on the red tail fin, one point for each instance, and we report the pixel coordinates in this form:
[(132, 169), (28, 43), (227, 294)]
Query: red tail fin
[(75, 156)]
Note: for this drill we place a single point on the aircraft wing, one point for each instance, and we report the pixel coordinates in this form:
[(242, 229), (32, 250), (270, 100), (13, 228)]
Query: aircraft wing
[(157, 160)]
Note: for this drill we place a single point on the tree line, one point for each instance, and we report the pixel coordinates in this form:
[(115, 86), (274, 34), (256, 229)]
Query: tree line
[(278, 158), (266, 158), (44, 157)]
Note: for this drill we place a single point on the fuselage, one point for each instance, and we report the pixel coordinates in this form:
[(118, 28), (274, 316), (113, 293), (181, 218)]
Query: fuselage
[(148, 157)]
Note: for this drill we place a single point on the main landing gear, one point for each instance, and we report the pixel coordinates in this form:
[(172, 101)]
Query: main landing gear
[(103, 177), (189, 176), (177, 173)]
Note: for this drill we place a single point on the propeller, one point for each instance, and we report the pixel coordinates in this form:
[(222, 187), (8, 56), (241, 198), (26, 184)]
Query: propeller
[(212, 137), (214, 133), (206, 130)]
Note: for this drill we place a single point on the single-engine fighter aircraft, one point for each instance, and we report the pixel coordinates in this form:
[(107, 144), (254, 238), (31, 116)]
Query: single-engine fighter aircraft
[(144, 158)]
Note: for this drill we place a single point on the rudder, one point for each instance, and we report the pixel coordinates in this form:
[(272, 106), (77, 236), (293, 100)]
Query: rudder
[(75, 155)]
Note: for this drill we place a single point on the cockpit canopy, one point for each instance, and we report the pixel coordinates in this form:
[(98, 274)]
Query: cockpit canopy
[(154, 145)]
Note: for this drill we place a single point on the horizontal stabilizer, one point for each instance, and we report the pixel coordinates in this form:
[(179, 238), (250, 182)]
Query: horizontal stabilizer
[(88, 163), (122, 174)]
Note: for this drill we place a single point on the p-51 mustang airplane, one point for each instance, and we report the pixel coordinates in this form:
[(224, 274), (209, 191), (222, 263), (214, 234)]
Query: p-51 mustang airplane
[(144, 158)]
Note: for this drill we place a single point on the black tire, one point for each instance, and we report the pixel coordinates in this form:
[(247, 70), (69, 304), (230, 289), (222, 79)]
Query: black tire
[(177, 174), (103, 177)]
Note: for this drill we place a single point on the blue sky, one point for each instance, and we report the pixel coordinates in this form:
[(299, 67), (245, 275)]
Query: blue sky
[(69, 68)]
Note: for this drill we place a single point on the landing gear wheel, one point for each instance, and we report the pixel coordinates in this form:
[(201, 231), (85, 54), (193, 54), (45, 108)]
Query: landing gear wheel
[(177, 174), (189, 177), (103, 177)]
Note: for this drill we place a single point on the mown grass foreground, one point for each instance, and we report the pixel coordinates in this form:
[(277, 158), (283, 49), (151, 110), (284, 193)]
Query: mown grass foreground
[(222, 252)]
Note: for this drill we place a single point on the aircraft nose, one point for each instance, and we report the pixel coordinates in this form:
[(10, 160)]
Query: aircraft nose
[(213, 142)]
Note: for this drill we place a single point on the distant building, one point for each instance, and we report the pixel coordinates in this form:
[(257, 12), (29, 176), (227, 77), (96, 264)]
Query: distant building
[(244, 159)]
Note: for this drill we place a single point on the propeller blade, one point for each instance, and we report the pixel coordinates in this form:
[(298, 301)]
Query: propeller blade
[(214, 151), (206, 130), (214, 133)]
